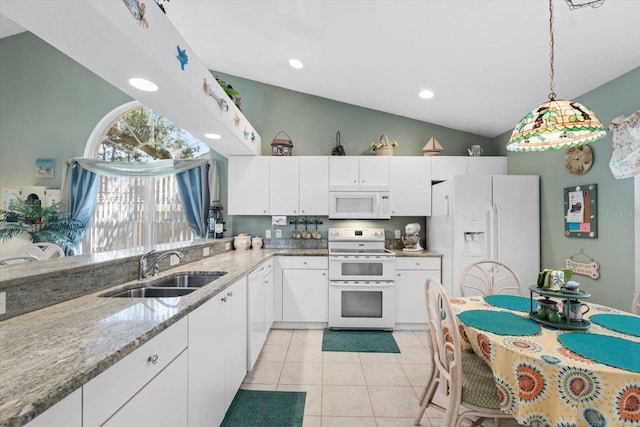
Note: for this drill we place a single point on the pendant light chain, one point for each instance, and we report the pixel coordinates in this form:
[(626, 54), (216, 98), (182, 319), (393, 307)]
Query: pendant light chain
[(552, 94)]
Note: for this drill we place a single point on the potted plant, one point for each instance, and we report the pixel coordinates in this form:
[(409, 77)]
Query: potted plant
[(44, 224), (384, 147)]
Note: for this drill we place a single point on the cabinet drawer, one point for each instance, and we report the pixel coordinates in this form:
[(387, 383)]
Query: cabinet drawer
[(103, 395), (305, 262), (421, 263)]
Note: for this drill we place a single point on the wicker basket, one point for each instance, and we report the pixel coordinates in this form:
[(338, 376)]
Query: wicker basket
[(386, 149), (281, 146)]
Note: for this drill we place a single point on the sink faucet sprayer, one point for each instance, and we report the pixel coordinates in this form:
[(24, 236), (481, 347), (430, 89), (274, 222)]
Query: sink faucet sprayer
[(142, 264)]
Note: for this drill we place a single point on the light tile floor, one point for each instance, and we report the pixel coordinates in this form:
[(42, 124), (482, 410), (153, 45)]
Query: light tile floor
[(348, 389)]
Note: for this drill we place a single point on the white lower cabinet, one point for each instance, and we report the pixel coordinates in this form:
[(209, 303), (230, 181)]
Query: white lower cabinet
[(128, 391), (67, 413), (260, 301), (305, 289), (217, 349), (411, 275), (161, 403)]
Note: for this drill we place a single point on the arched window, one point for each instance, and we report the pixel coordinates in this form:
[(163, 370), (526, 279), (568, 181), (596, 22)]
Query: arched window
[(138, 212)]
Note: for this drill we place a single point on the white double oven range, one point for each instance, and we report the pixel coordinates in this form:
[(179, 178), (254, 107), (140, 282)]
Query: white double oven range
[(361, 280)]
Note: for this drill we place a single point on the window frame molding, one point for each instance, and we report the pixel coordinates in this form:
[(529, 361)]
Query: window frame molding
[(100, 130)]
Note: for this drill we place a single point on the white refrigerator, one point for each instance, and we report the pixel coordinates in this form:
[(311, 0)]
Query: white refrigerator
[(486, 216)]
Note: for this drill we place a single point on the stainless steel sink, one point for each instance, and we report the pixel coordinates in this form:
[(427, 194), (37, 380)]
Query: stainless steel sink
[(152, 292), (188, 280), (176, 285)]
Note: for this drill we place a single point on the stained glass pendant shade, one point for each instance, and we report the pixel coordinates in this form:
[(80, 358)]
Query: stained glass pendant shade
[(557, 123)]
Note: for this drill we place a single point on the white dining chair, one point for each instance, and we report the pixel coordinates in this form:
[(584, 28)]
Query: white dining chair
[(41, 250), (489, 277), (635, 306), (461, 384)]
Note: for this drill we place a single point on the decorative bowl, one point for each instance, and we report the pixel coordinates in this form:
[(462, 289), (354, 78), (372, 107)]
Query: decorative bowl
[(572, 285)]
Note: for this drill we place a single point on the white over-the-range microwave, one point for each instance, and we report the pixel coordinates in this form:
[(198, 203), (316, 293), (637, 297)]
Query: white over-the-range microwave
[(358, 203)]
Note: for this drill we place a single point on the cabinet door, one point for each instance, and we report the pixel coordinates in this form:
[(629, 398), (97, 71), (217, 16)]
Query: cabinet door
[(491, 165), (410, 184), (284, 185), (314, 185), (248, 185), (235, 357), (410, 299), (207, 335), (67, 413), (374, 170), (104, 394), (343, 170), (446, 167), (305, 295), (161, 403), (256, 314)]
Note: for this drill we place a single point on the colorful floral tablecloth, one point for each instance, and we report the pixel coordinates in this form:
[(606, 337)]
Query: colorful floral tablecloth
[(541, 381)]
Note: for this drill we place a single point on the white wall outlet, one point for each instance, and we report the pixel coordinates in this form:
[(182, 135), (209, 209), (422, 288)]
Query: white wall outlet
[(397, 234), (227, 246), (174, 260), (278, 234), (205, 251), (267, 234), (3, 302)]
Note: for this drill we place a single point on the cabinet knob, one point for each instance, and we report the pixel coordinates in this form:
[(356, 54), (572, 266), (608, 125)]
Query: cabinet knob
[(324, 274), (399, 274), (230, 294), (305, 262), (417, 263), (153, 359), (223, 299)]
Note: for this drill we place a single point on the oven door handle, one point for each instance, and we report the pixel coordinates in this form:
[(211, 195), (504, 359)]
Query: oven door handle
[(364, 284)]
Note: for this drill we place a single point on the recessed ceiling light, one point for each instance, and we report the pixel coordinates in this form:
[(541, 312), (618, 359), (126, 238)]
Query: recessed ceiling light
[(143, 84), (296, 63), (425, 94), (212, 136)]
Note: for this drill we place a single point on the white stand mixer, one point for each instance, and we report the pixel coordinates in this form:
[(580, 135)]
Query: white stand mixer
[(411, 239)]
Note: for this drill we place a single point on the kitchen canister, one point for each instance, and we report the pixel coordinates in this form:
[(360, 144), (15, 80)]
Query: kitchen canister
[(256, 242), (281, 146)]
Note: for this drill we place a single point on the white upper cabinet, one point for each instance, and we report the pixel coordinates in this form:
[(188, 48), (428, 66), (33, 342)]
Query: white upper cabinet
[(314, 185), (370, 171), (299, 185), (490, 165), (446, 167), (284, 186), (410, 187), (249, 185)]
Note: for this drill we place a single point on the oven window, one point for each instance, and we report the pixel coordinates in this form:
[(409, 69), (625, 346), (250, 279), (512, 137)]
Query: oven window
[(363, 304), (372, 269)]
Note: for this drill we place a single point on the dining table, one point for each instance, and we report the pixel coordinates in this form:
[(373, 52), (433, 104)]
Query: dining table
[(555, 375)]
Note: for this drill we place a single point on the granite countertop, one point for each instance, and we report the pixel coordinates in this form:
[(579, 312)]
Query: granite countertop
[(49, 353)]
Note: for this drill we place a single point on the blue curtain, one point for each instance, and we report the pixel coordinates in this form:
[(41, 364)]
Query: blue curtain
[(193, 185), (82, 186)]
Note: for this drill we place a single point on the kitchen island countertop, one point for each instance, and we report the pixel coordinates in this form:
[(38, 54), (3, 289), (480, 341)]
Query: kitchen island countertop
[(49, 353)]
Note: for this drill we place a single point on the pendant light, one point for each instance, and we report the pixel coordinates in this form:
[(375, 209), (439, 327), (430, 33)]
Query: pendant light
[(557, 123)]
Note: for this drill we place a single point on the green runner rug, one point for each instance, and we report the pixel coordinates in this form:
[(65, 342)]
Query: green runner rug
[(359, 341), (257, 408)]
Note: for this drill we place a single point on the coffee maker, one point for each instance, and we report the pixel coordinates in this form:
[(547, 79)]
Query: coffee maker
[(411, 238)]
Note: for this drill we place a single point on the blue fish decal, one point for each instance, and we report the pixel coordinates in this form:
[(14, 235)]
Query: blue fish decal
[(182, 57)]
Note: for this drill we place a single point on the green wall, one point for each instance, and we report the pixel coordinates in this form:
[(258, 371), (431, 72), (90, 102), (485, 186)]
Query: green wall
[(614, 247), (49, 104)]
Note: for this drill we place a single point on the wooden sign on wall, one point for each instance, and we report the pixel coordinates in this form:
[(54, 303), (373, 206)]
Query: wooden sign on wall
[(590, 268)]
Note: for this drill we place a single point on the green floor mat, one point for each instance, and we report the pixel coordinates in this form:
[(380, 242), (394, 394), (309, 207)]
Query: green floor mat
[(256, 408), (359, 341)]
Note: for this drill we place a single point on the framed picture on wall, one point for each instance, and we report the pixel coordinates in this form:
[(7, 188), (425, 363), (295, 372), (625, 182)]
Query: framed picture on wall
[(44, 168), (580, 210)]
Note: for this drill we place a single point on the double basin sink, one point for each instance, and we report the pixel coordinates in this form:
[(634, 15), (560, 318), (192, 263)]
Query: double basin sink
[(176, 285)]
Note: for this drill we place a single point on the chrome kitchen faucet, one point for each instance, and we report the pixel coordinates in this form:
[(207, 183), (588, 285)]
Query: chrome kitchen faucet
[(142, 264)]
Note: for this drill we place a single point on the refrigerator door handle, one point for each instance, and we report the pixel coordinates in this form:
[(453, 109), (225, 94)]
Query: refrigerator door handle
[(491, 232), (498, 230)]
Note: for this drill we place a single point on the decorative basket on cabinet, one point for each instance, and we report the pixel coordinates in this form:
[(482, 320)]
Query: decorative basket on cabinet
[(281, 146), (384, 147)]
